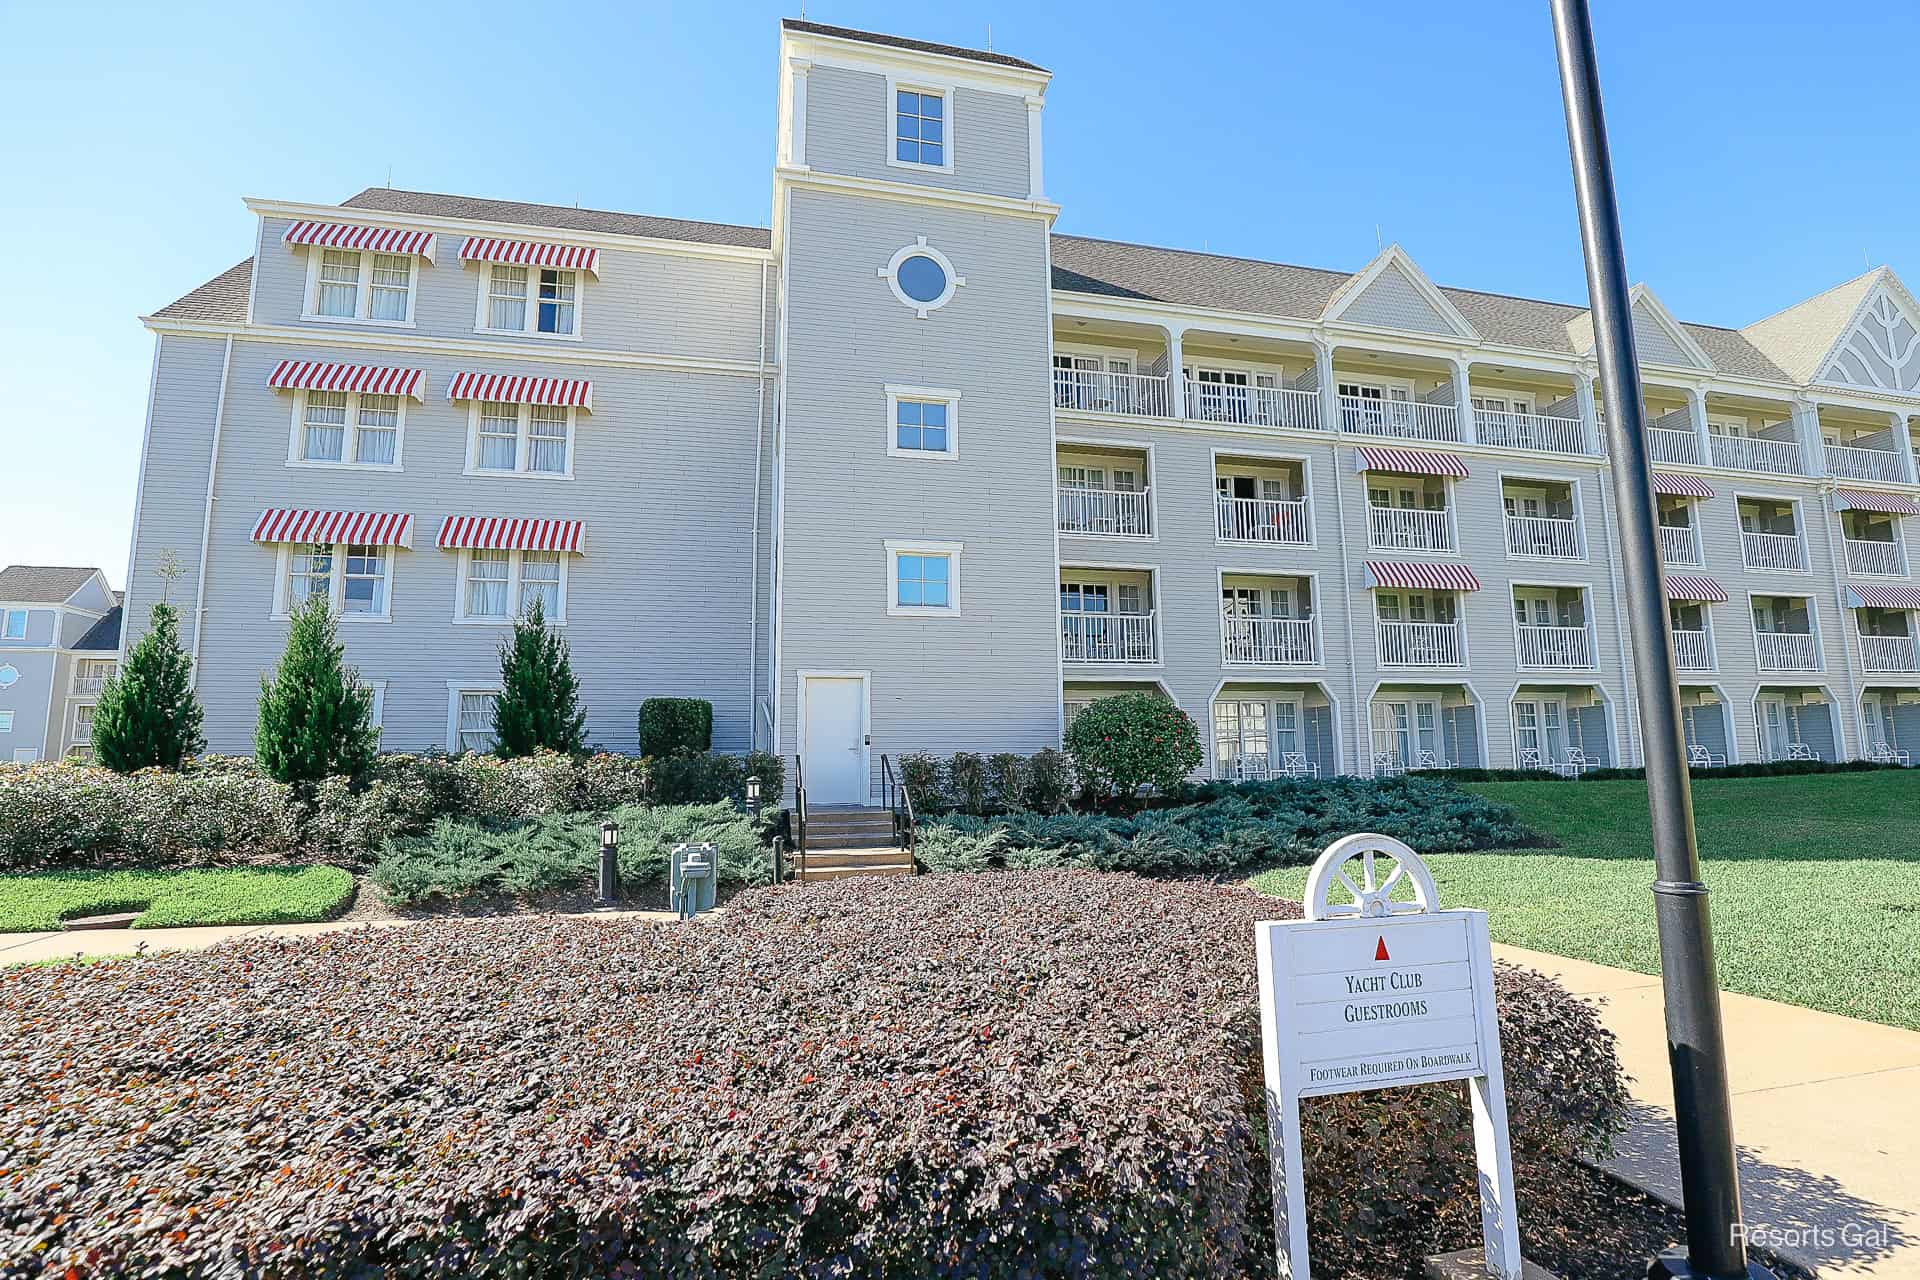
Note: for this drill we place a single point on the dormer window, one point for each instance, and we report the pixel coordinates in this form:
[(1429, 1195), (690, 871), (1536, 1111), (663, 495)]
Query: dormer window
[(529, 287), (920, 127), (350, 284)]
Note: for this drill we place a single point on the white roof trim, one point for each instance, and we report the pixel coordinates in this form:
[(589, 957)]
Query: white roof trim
[(1394, 256), (1885, 284)]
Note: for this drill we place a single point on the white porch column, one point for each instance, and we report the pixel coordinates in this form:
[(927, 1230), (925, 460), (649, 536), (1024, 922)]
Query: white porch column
[(1463, 401), (1329, 390), (1903, 443), (1589, 407), (1697, 411), (1806, 430), (1176, 379), (797, 114)]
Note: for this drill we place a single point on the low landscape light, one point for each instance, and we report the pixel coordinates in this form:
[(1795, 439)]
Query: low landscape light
[(609, 864), (753, 793)]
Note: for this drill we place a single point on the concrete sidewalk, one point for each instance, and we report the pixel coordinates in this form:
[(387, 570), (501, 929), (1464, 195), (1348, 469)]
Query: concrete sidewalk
[(1826, 1111)]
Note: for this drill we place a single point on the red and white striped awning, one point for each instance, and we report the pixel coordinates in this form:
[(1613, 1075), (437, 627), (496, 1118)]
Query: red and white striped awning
[(1675, 485), (344, 235), (1413, 462), (530, 253), (1867, 500), (1687, 586), (514, 389), (1422, 576), (511, 533), (362, 528), (317, 375), (1875, 595)]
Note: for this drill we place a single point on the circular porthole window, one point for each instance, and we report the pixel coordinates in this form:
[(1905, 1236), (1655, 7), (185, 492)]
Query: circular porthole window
[(921, 277)]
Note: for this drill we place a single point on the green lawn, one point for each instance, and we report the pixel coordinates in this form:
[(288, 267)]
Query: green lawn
[(168, 899), (1815, 880)]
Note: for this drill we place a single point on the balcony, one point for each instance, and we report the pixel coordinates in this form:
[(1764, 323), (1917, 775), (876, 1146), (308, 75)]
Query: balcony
[(1107, 639), (1786, 651), (1756, 453), (1881, 654), (1849, 462), (1692, 650), (1104, 391), (1773, 550), (90, 678), (1553, 647), (1420, 644), (1409, 529), (1664, 444), (1254, 406), (1543, 537), (1530, 431), (1112, 513), (1680, 545), (1269, 642), (1875, 559), (1264, 520), (1400, 419)]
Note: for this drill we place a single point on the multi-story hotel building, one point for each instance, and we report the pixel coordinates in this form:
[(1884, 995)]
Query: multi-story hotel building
[(908, 471)]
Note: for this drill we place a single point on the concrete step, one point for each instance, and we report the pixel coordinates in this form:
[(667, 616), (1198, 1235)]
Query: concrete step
[(850, 819), (816, 874), (817, 839), (881, 856)]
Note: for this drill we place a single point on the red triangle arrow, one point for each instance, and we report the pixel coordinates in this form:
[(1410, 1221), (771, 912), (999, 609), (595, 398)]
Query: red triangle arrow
[(1380, 952)]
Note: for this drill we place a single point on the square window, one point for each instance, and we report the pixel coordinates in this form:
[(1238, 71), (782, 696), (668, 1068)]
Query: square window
[(919, 128), (6, 722), (14, 626), (365, 582), (923, 422), (507, 297), (924, 577)]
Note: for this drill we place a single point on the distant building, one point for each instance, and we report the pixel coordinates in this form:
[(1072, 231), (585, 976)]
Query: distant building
[(59, 640)]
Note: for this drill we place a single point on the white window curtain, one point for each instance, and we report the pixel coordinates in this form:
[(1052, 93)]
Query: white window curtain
[(540, 580), (507, 297), (499, 436), (326, 426), (476, 721), (309, 573), (487, 573), (378, 430), (547, 439), (392, 273), (339, 283)]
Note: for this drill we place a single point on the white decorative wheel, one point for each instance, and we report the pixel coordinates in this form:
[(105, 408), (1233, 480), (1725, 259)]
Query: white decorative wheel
[(1373, 894)]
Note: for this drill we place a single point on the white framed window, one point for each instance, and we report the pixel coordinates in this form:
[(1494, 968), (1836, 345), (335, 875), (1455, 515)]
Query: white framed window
[(360, 287), (921, 136), (80, 733), (6, 722), (13, 624), (346, 429), (498, 586), (543, 301), (507, 439), (921, 277), (923, 578), (923, 422), (470, 716), (354, 579)]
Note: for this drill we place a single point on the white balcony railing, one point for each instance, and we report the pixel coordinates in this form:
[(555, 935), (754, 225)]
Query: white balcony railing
[(1107, 637), (1667, 445), (1680, 544), (1754, 453), (1692, 650), (1419, 644), (1402, 419), (1098, 391), (87, 682), (1889, 653), (1876, 559), (1269, 642), (1547, 537), (1773, 550), (1264, 520), (1119, 513), (1850, 463), (1254, 406), (1530, 431), (1555, 647), (1409, 529), (1786, 651)]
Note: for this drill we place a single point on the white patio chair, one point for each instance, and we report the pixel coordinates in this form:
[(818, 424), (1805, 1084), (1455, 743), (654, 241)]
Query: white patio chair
[(1801, 751), (1529, 757), (1427, 760), (1578, 762), (1884, 753), (1386, 764), (1699, 757), (1294, 764)]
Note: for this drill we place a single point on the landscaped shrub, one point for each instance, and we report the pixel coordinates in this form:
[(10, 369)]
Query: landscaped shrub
[(147, 715), (924, 777), (670, 725), (693, 777), (1228, 826), (772, 772), (1757, 769), (60, 814), (560, 852), (539, 704), (967, 781), (1133, 740), (1007, 776), (1050, 781), (945, 1078), (316, 717)]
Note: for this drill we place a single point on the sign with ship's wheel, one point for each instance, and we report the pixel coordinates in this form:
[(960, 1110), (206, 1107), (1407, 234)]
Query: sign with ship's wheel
[(1378, 988)]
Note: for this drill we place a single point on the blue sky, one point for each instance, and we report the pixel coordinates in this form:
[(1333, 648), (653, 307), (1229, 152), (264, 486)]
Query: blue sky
[(1765, 152)]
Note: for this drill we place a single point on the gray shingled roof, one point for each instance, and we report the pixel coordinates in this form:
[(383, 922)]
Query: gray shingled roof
[(431, 205), (104, 635), (223, 298), (42, 583), (902, 42)]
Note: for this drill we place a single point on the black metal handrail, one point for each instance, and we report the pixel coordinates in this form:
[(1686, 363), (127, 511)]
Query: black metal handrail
[(800, 813), (899, 801)]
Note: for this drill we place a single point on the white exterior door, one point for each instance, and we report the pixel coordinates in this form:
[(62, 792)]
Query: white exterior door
[(834, 752)]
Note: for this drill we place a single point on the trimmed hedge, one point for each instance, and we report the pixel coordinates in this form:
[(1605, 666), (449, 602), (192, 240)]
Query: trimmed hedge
[(948, 1077), (1227, 826), (671, 725)]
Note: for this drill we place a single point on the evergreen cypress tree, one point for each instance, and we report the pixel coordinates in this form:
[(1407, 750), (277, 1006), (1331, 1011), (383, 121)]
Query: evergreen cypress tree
[(316, 718), (539, 703), (147, 714)]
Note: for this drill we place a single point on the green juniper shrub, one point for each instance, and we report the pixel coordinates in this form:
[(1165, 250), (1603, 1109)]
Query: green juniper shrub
[(147, 714), (1133, 740), (669, 725), (538, 708), (1050, 781), (967, 781), (924, 778), (316, 718), (1007, 777)]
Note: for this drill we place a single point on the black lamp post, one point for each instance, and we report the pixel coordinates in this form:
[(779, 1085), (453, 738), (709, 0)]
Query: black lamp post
[(609, 864), (1696, 1046), (753, 794)]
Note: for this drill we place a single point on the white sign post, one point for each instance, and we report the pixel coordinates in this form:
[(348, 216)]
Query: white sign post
[(1377, 989)]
